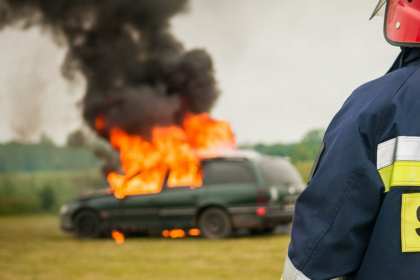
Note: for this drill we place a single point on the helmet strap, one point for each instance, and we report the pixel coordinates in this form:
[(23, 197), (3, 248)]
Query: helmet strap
[(401, 58)]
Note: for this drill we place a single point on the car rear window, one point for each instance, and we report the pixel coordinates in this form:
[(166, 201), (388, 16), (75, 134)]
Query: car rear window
[(278, 171), (227, 172)]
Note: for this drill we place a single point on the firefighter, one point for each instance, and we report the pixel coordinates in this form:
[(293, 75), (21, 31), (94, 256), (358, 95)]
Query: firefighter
[(359, 217)]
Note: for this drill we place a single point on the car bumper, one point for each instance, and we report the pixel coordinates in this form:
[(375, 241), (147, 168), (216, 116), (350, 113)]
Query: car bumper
[(247, 217), (66, 222)]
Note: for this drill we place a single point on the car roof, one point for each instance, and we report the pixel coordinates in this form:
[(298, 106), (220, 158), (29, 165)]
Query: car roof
[(247, 155), (230, 154)]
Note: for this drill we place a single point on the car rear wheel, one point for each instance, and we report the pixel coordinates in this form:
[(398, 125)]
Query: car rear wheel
[(214, 223), (87, 224)]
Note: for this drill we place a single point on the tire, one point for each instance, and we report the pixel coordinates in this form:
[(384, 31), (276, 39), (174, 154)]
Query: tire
[(214, 223), (87, 224)]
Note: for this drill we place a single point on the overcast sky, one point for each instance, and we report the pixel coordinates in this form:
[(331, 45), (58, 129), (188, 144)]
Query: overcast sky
[(284, 67)]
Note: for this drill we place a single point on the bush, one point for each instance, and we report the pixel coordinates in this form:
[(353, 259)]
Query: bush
[(34, 192), (304, 168), (47, 198)]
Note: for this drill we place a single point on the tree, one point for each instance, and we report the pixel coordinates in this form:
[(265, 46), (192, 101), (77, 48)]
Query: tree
[(314, 136), (305, 150), (77, 140), (47, 198), (301, 153)]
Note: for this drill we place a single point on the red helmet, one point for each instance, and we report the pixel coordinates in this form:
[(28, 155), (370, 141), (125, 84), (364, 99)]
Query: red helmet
[(402, 21)]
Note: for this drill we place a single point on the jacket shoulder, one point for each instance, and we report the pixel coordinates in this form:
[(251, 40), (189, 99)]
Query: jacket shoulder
[(384, 88), (402, 107), (370, 106)]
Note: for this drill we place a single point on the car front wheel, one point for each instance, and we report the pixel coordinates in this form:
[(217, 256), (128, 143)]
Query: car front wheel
[(87, 224), (214, 223)]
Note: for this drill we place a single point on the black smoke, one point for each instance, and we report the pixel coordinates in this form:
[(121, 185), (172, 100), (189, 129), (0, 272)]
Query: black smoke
[(138, 74)]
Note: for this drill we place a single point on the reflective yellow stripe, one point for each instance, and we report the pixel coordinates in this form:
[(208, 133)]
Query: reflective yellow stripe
[(401, 173), (386, 176), (410, 223)]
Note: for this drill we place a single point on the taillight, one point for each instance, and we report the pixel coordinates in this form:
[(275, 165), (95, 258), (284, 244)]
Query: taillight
[(261, 211), (263, 195)]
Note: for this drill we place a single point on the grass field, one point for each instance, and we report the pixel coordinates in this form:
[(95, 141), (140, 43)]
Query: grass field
[(33, 248)]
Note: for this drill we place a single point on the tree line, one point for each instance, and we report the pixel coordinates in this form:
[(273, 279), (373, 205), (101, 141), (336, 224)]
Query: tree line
[(77, 154), (44, 156), (37, 177), (303, 151)]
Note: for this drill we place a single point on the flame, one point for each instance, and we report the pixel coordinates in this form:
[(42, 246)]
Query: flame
[(175, 233), (194, 232), (100, 122), (206, 134), (172, 151), (118, 236), (179, 233)]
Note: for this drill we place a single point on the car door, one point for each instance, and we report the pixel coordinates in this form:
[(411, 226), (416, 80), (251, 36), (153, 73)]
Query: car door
[(141, 211), (110, 209), (178, 206)]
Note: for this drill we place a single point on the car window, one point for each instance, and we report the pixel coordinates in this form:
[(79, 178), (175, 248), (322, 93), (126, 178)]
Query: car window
[(278, 171), (166, 188), (227, 172)]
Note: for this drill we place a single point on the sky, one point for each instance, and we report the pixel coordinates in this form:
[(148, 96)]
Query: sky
[(283, 67)]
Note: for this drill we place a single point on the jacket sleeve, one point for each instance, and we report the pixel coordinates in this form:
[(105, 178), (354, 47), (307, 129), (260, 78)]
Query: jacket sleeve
[(335, 215)]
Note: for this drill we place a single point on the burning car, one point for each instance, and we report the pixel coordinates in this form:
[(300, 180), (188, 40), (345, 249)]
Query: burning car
[(240, 190)]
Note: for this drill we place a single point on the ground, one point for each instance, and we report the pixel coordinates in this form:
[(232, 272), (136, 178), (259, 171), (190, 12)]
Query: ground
[(33, 248)]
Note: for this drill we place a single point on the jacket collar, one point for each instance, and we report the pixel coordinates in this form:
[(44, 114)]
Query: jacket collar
[(407, 57)]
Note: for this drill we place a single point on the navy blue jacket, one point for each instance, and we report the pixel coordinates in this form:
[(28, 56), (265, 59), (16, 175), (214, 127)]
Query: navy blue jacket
[(348, 221)]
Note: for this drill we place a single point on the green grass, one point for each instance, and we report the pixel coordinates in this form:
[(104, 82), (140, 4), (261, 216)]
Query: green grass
[(304, 168), (33, 248)]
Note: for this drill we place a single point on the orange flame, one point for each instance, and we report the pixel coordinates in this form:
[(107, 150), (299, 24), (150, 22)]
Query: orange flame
[(194, 232), (118, 236), (172, 151), (175, 233), (209, 135), (100, 122), (179, 233)]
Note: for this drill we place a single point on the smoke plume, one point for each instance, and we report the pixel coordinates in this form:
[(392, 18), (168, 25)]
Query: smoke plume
[(27, 115), (138, 74)]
